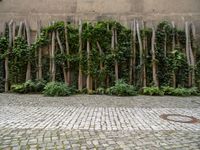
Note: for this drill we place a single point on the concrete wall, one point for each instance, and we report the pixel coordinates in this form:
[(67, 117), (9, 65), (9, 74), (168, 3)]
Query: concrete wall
[(121, 10)]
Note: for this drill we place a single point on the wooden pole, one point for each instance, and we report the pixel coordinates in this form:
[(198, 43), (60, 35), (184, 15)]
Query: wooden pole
[(154, 66), (39, 52), (80, 76), (187, 34), (7, 57), (53, 70), (62, 52), (28, 36), (68, 52)]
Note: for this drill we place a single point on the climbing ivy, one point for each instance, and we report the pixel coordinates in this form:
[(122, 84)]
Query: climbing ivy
[(99, 35)]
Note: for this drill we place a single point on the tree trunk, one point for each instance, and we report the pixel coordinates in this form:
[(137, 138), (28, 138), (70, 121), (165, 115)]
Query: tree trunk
[(53, 70), (154, 66), (116, 62), (113, 43), (80, 76), (89, 78), (19, 34), (187, 34), (14, 32), (133, 54), (62, 52), (28, 35), (50, 53), (165, 44), (140, 43), (67, 50), (107, 76), (192, 52), (145, 48), (173, 48), (7, 58), (39, 53), (101, 53), (140, 51)]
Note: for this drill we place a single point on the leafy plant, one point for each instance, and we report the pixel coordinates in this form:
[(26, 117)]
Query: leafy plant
[(18, 88), (194, 91), (152, 91), (167, 90), (39, 85), (57, 89), (121, 88), (29, 87), (181, 92), (100, 90)]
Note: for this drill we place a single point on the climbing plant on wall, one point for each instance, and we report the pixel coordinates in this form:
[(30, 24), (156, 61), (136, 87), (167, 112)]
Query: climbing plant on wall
[(95, 55)]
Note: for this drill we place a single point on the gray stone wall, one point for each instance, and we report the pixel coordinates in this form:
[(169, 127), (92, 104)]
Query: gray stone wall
[(121, 10)]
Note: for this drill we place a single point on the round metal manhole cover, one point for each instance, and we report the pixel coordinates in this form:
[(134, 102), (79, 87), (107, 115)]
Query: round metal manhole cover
[(180, 118)]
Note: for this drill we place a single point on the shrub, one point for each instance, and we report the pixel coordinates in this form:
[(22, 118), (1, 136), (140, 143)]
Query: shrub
[(167, 90), (57, 89), (122, 89), (152, 91), (185, 91), (39, 85), (29, 87), (100, 90), (194, 91), (181, 92), (26, 87), (18, 88)]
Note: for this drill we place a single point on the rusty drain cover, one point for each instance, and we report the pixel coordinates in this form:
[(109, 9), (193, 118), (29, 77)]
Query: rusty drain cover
[(180, 118)]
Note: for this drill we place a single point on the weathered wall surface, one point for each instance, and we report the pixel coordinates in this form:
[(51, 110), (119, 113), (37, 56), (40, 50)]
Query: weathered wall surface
[(121, 10)]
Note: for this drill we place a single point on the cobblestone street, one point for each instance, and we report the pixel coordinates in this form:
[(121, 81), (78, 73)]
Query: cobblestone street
[(98, 122)]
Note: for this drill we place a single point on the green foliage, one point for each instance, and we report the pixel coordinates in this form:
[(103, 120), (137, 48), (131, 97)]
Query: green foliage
[(100, 91), (194, 91), (121, 88), (152, 91), (167, 90), (29, 87), (181, 92), (57, 89), (18, 88), (100, 34)]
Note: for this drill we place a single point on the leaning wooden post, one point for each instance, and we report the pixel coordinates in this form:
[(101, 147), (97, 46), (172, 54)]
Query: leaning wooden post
[(154, 67), (14, 32), (80, 76), (173, 48), (67, 51), (53, 70), (187, 34), (133, 53), (140, 48), (145, 48), (140, 43), (21, 24), (101, 53), (113, 47), (62, 52), (88, 65), (116, 62), (192, 52), (7, 57), (39, 52), (89, 77), (28, 35)]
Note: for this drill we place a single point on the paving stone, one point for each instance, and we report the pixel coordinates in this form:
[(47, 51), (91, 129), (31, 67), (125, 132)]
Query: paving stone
[(96, 122)]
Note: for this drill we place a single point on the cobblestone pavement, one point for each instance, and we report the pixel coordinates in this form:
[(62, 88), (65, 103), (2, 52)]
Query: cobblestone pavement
[(97, 122)]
